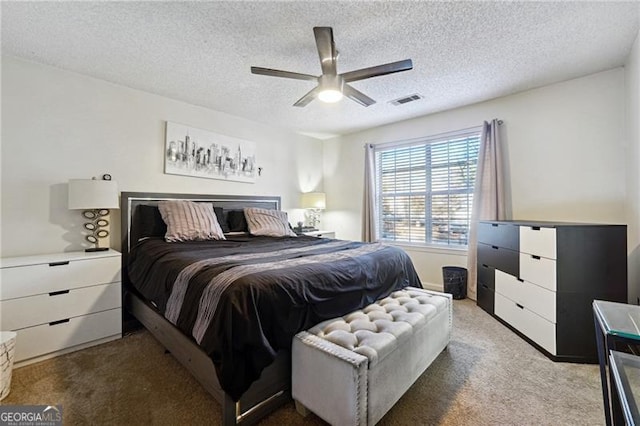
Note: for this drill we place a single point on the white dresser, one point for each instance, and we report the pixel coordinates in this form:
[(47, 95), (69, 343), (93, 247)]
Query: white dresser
[(321, 234), (540, 278), (61, 302)]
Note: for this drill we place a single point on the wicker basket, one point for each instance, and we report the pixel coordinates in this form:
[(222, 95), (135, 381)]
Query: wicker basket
[(7, 351)]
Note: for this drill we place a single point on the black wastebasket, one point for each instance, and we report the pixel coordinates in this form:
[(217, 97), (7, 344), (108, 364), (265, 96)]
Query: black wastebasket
[(455, 281)]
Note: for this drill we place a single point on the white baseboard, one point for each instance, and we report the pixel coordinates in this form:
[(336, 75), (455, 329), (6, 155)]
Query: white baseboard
[(434, 287)]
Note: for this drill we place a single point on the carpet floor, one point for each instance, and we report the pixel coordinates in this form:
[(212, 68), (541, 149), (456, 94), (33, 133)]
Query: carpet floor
[(487, 376)]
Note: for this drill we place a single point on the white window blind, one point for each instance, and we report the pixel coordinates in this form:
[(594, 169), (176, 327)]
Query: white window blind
[(425, 188)]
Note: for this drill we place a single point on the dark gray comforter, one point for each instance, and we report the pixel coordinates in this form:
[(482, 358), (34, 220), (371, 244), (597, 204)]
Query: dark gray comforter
[(242, 300)]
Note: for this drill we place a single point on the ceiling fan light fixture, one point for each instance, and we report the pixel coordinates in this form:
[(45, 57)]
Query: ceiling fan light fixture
[(330, 95), (331, 86)]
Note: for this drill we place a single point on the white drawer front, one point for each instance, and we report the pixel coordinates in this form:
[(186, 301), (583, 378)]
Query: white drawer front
[(45, 308), (539, 300), (535, 298), (44, 339), (535, 327), (327, 235), (30, 280), (541, 241), (508, 286), (540, 271)]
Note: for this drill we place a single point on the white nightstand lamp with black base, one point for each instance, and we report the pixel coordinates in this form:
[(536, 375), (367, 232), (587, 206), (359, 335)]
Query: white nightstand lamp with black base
[(95, 197)]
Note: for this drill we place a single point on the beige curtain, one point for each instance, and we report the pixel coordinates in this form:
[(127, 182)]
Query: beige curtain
[(488, 195), (369, 207)]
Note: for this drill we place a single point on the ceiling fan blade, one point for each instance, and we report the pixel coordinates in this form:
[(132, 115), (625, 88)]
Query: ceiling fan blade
[(378, 70), (357, 96), (326, 49), (311, 95), (283, 74)]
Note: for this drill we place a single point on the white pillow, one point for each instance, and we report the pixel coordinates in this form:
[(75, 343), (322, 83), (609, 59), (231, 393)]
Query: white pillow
[(189, 221), (270, 223)]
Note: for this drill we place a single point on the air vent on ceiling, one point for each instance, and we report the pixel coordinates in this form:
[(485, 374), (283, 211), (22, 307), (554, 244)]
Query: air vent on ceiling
[(406, 99)]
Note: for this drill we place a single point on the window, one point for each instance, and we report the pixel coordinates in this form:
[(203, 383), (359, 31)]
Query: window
[(425, 188)]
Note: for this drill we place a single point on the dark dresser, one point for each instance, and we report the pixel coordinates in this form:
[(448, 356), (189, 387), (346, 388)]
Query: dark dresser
[(540, 279)]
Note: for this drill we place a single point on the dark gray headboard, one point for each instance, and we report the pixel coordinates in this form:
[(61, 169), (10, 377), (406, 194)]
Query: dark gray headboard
[(130, 200)]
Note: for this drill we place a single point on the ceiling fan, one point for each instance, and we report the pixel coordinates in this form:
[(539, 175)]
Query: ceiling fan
[(331, 85)]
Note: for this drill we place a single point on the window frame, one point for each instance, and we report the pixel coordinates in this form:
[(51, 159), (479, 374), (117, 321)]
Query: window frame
[(428, 193)]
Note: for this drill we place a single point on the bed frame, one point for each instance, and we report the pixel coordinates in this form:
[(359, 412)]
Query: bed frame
[(274, 386)]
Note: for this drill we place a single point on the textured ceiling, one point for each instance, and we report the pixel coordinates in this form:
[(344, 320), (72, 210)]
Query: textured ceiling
[(201, 52)]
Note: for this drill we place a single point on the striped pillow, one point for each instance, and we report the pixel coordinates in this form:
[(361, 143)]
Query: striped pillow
[(270, 223), (189, 221)]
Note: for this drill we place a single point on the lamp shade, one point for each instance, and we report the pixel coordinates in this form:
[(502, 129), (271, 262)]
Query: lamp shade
[(314, 200), (93, 194)]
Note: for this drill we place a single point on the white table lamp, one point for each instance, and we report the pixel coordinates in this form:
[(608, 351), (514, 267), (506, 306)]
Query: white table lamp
[(314, 202), (95, 197)]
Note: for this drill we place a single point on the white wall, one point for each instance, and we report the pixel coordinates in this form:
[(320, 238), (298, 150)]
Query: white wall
[(632, 97), (565, 150), (58, 125), (565, 145)]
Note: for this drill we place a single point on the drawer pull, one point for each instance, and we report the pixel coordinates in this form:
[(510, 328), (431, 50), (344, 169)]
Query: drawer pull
[(66, 262), (484, 286), (535, 228), (494, 247), (59, 322), (485, 266), (519, 306), (533, 256), (495, 225), (56, 293)]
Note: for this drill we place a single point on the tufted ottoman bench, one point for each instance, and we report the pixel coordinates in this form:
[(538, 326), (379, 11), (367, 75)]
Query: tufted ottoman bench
[(352, 370)]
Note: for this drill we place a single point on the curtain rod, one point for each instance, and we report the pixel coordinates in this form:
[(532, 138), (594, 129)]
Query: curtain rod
[(427, 139), (409, 141)]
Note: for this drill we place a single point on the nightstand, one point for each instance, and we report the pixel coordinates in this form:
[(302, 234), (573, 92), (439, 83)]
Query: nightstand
[(59, 303), (320, 234)]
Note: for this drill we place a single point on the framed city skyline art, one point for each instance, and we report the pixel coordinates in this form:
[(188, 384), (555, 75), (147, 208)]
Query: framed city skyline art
[(201, 153)]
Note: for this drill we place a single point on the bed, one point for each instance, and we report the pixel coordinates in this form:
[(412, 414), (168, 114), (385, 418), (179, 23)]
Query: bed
[(227, 310)]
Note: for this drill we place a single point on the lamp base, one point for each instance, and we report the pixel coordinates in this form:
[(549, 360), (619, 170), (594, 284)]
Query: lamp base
[(89, 250)]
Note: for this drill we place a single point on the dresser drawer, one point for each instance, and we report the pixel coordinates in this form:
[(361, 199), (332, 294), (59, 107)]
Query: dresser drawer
[(508, 286), (499, 258), (44, 339), (538, 241), (503, 235), (21, 281), (45, 308), (485, 297), (538, 270), (486, 275), (533, 326), (534, 298)]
